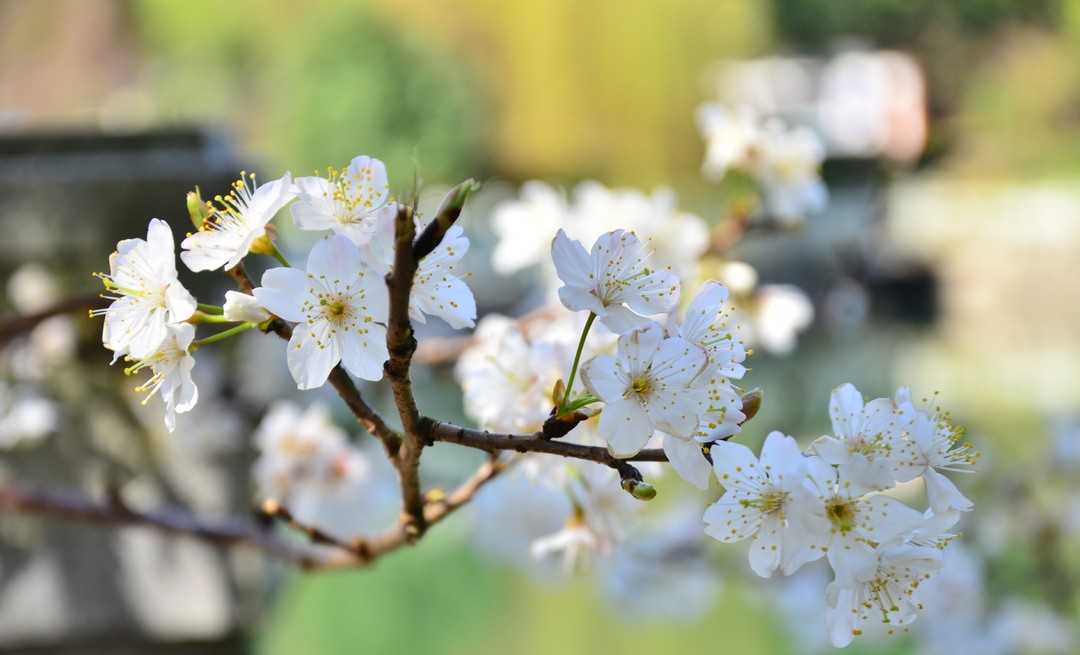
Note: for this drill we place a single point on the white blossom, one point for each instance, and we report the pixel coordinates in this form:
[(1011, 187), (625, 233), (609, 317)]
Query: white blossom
[(170, 377), (242, 307), (707, 325), (762, 501), (870, 447), (937, 445), (613, 281), (648, 385), (307, 464), (788, 169), (348, 201), (340, 308), (882, 593), (147, 296), (235, 223), (779, 313), (731, 137), (25, 417), (525, 224), (845, 524), (437, 290)]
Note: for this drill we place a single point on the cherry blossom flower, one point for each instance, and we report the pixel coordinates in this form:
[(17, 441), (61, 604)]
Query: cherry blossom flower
[(870, 447), (788, 169), (147, 296), (348, 201), (762, 501), (25, 417), (340, 307), (707, 326), (613, 281), (779, 313), (845, 524), (437, 290), (882, 593), (525, 224), (731, 137), (307, 463), (648, 385), (241, 307), (937, 446), (235, 224), (170, 377)]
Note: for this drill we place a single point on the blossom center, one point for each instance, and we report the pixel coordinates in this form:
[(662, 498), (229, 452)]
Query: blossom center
[(841, 514), (641, 385), (770, 502)]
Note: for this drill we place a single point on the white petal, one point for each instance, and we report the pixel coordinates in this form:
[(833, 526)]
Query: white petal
[(282, 292), (655, 293), (369, 181), (687, 460), (883, 518), (336, 260), (781, 457), (677, 362), (841, 613), (601, 377), (625, 426), (943, 494), (572, 263), (363, 355), (637, 349), (449, 298), (729, 520), (578, 299), (150, 334), (765, 550), (311, 357), (832, 450), (161, 248), (736, 467), (845, 410), (617, 318), (703, 311), (675, 410), (180, 302), (314, 209)]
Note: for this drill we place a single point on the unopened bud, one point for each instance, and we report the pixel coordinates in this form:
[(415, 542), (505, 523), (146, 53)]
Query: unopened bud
[(639, 489), (751, 403), (198, 210)]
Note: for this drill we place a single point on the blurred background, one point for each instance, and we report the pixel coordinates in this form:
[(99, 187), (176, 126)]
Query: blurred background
[(948, 259)]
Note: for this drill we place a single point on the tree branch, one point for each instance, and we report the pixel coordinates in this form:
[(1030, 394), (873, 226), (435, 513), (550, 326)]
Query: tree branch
[(13, 326), (74, 507)]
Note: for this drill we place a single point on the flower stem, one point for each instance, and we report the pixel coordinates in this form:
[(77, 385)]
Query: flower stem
[(224, 334), (202, 317), (577, 358), (210, 309), (276, 254)]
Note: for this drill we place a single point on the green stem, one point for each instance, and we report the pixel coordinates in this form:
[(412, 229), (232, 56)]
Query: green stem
[(577, 358), (276, 254), (579, 402), (221, 336), (210, 309), (202, 317)]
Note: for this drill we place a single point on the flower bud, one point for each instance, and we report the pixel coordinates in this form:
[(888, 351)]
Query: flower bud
[(198, 210), (639, 489)]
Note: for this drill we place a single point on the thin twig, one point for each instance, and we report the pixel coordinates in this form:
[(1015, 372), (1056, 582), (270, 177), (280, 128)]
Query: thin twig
[(13, 326)]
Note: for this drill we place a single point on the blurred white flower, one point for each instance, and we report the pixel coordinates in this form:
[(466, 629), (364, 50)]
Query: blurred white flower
[(146, 294), (731, 137), (349, 201), (613, 281), (648, 385), (170, 377), (525, 225), (32, 288), (24, 417), (242, 307), (307, 464), (236, 222), (788, 169), (779, 313), (340, 306), (762, 501)]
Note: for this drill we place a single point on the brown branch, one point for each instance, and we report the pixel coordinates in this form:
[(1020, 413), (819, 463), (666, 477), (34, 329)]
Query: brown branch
[(13, 326), (74, 507), (401, 344)]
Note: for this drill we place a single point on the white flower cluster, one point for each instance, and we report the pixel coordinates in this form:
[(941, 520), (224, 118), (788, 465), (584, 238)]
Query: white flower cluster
[(784, 162), (338, 302), (307, 464), (796, 507)]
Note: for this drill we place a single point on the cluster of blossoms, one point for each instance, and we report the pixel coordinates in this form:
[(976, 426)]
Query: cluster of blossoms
[(338, 302), (667, 378), (770, 316), (656, 375), (784, 161)]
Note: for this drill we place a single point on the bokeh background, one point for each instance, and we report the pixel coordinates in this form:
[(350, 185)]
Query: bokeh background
[(948, 259)]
